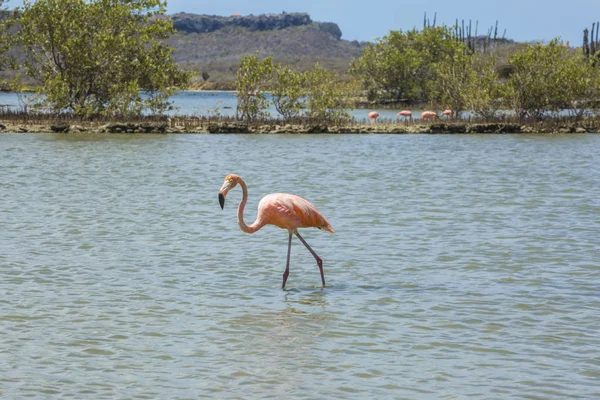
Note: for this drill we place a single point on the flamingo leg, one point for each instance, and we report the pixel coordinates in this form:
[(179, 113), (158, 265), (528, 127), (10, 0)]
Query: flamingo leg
[(287, 265), (317, 258)]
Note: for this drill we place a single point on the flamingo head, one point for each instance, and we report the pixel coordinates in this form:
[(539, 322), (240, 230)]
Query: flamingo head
[(230, 182)]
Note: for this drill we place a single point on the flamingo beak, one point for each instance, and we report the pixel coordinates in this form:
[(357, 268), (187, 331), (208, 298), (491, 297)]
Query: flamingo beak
[(223, 193), (221, 200)]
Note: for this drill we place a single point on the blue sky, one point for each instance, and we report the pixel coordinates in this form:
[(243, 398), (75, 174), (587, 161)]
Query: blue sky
[(524, 20)]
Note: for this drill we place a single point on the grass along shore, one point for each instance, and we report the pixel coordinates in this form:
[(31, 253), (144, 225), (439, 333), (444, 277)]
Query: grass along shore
[(46, 123)]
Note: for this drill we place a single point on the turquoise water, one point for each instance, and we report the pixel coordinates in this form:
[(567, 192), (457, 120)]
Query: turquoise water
[(461, 267)]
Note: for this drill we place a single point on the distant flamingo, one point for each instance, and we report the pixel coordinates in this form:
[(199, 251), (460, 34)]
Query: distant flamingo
[(373, 116), (428, 115), (447, 113), (286, 211), (407, 114)]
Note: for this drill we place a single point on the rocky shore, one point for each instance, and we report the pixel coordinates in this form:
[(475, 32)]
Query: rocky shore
[(199, 126)]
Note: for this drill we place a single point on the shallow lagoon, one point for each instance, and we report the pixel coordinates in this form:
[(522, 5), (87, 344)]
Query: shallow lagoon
[(461, 267), (223, 104), (207, 103)]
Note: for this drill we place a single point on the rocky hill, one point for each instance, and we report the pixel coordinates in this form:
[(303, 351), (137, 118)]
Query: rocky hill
[(214, 44), (194, 23)]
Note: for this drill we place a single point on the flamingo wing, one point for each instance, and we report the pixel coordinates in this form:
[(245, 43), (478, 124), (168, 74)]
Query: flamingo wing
[(289, 211)]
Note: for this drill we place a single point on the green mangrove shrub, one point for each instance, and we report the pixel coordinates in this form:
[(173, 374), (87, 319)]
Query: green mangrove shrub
[(402, 66), (483, 96), (467, 82), (252, 79), (288, 91), (97, 57), (539, 80), (328, 95), (454, 78), (581, 85), (6, 41), (315, 94)]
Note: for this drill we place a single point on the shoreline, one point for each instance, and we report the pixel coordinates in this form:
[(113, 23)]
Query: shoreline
[(199, 126)]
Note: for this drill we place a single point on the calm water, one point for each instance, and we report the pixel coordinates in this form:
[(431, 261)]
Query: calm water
[(461, 267), (210, 104), (214, 104)]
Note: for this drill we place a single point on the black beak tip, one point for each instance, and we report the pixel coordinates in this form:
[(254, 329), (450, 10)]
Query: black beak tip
[(221, 200)]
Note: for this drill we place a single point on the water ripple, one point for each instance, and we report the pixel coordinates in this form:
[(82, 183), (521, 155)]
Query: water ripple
[(461, 267)]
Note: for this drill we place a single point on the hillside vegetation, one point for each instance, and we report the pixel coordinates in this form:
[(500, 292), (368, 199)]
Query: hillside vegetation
[(215, 44)]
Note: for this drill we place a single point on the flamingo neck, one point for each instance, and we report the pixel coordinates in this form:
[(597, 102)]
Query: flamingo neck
[(240, 217)]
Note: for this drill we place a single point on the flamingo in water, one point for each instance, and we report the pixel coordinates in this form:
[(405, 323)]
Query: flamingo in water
[(287, 211)]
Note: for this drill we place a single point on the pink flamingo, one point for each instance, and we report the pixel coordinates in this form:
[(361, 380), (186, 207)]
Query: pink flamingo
[(286, 211), (407, 114), (428, 115), (373, 116), (447, 113)]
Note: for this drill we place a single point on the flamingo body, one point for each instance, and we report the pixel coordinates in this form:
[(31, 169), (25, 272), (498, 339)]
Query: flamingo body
[(447, 113), (286, 211), (406, 114), (373, 115), (428, 115)]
